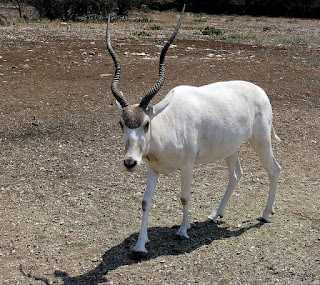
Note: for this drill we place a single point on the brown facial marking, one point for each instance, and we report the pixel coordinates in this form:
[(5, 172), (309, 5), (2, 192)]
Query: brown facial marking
[(183, 201), (144, 206), (133, 116)]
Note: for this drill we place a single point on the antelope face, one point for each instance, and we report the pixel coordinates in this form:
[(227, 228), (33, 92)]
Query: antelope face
[(135, 124), (134, 120)]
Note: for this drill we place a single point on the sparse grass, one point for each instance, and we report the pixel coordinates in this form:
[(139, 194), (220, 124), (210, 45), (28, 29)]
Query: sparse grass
[(261, 19), (266, 28), (307, 81), (119, 19), (200, 20), (141, 34), (230, 19), (143, 20), (285, 61), (212, 31), (242, 37), (95, 19), (293, 21), (313, 62), (156, 27), (269, 51), (294, 41), (3, 22)]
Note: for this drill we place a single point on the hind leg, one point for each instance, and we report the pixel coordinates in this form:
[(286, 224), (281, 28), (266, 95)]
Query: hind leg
[(186, 178), (264, 151), (235, 173)]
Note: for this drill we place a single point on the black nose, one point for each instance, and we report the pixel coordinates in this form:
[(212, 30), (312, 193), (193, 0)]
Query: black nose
[(129, 163)]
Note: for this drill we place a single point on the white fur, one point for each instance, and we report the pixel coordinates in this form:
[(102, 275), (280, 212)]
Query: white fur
[(195, 125)]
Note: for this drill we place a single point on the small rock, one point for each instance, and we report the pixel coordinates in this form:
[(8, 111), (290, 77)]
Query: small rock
[(105, 75)]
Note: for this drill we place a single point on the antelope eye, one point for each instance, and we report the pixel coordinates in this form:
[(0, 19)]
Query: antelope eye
[(146, 127)]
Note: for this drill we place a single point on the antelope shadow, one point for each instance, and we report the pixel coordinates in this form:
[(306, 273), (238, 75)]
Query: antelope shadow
[(162, 244)]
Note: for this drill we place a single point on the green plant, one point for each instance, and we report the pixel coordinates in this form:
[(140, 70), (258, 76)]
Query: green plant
[(286, 61), (307, 81), (313, 62), (119, 19), (156, 27), (95, 19), (143, 20), (200, 20), (266, 29), (212, 31), (142, 34), (295, 41)]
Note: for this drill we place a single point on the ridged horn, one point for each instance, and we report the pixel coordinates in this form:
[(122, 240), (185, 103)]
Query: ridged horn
[(114, 85), (162, 72)]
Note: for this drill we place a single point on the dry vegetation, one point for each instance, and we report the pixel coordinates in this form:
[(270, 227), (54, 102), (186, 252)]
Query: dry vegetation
[(68, 212)]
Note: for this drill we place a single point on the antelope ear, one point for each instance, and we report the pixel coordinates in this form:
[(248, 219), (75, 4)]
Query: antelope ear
[(157, 109), (119, 106)]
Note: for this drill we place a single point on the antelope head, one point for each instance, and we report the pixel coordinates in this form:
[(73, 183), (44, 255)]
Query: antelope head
[(135, 119)]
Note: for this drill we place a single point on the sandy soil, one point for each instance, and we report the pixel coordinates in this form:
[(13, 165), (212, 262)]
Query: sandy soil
[(69, 214)]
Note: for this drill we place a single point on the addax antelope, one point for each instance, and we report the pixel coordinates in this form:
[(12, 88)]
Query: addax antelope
[(194, 125)]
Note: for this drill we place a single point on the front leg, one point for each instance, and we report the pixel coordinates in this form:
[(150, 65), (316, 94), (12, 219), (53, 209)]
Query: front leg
[(139, 249), (186, 178)]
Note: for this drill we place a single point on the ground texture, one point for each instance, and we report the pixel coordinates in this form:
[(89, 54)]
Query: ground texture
[(69, 214)]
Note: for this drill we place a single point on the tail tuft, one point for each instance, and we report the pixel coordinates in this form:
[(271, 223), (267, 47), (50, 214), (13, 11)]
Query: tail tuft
[(274, 136)]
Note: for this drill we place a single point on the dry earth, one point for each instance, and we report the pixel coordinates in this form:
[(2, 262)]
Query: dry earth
[(69, 214)]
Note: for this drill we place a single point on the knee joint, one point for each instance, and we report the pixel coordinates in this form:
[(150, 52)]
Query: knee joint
[(144, 206), (184, 201)]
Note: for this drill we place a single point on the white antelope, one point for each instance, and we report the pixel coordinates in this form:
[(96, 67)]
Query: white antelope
[(194, 125)]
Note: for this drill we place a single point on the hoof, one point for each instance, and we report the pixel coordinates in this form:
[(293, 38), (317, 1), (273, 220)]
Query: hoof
[(263, 220), (136, 255), (212, 220), (180, 237)]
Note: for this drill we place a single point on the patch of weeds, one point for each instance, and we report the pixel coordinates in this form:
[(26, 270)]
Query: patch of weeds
[(267, 52), (293, 21), (230, 19), (212, 31), (95, 19), (156, 27), (266, 29), (286, 61), (261, 19), (142, 34), (295, 41), (313, 62), (307, 81), (200, 20), (119, 19), (240, 37), (143, 20), (4, 22)]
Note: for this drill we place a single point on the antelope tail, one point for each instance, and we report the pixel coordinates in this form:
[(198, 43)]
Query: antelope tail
[(274, 135)]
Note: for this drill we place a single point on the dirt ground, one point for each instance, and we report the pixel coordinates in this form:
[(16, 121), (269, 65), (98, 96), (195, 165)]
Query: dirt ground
[(69, 214)]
